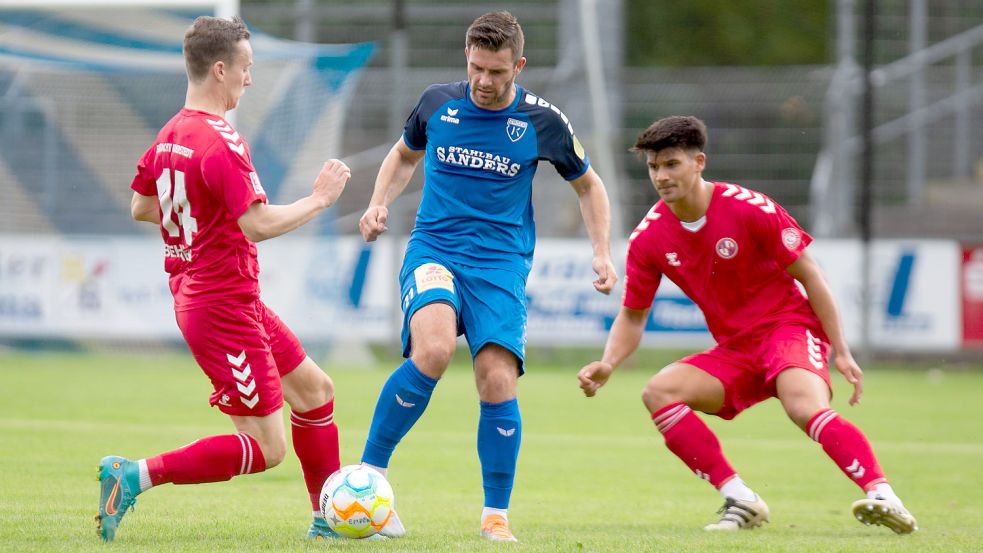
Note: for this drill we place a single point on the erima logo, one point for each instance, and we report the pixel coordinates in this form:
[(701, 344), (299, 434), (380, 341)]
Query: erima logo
[(505, 432), (402, 403), (450, 117)]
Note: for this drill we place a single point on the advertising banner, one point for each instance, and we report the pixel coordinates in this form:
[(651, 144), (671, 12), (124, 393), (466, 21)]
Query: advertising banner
[(564, 308), (914, 296), (914, 291), (971, 274), (116, 287), (926, 295)]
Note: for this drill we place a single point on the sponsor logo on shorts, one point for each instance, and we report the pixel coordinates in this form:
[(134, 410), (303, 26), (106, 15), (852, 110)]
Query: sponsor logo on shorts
[(431, 276), (507, 433), (726, 247)]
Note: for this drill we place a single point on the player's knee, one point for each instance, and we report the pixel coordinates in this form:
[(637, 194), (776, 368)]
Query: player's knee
[(801, 407), (307, 388), (274, 450), (658, 393), (801, 413), (496, 386), (319, 390), (433, 357)]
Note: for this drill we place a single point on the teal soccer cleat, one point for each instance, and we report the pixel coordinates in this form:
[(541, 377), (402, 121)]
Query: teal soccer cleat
[(320, 530), (119, 484)]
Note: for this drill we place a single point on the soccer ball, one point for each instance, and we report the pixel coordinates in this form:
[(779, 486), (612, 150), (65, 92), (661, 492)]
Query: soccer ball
[(357, 501)]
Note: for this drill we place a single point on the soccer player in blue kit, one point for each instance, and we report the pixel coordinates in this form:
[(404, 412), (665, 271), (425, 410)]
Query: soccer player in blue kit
[(471, 249)]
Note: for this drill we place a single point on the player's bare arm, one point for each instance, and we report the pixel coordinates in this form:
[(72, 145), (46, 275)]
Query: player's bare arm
[(145, 208), (395, 173), (263, 221), (626, 334), (807, 272), (596, 211)]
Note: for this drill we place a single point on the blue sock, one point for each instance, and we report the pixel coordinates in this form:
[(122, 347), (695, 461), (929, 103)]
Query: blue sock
[(499, 436), (403, 399)]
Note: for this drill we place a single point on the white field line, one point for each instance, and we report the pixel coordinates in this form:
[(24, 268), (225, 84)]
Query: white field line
[(531, 439)]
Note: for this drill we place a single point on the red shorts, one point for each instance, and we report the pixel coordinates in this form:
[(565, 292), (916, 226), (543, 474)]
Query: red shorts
[(748, 367), (245, 349)]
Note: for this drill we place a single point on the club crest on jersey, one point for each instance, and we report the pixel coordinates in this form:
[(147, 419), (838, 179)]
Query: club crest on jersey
[(791, 238), (672, 258), (726, 247), (515, 129)]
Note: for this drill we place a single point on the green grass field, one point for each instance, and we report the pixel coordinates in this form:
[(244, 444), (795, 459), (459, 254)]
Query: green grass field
[(593, 474)]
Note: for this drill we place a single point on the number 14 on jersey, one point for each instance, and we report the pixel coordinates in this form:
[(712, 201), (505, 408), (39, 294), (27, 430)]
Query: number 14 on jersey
[(174, 198)]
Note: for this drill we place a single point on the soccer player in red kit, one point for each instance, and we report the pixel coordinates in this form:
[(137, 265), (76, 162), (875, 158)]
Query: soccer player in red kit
[(198, 183), (738, 255)]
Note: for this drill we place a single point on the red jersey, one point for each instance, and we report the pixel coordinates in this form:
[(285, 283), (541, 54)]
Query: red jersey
[(200, 170), (732, 267)]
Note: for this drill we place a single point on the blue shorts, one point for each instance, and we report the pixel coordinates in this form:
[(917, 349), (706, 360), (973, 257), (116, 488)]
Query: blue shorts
[(490, 303)]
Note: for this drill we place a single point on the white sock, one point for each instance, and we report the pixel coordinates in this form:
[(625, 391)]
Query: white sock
[(736, 488), (488, 511), (383, 471), (145, 483), (884, 491)]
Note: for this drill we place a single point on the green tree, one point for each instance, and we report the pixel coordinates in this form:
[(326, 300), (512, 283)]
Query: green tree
[(721, 32)]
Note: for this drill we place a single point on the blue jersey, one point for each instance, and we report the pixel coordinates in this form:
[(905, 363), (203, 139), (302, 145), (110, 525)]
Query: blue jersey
[(476, 207)]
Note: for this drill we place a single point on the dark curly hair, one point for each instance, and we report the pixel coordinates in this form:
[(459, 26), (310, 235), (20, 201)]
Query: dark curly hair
[(678, 131)]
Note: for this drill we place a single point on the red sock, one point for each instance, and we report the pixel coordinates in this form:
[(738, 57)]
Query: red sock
[(847, 446), (316, 442), (211, 459), (692, 441)]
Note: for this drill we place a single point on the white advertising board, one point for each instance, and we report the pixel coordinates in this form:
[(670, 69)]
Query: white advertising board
[(328, 287), (116, 287)]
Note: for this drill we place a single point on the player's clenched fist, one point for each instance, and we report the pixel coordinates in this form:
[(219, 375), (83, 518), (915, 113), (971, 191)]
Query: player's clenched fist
[(607, 276), (373, 222), (593, 376), (331, 181)]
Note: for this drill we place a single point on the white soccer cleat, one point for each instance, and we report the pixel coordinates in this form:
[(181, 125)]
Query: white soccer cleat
[(882, 512), (393, 528), (737, 515)]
